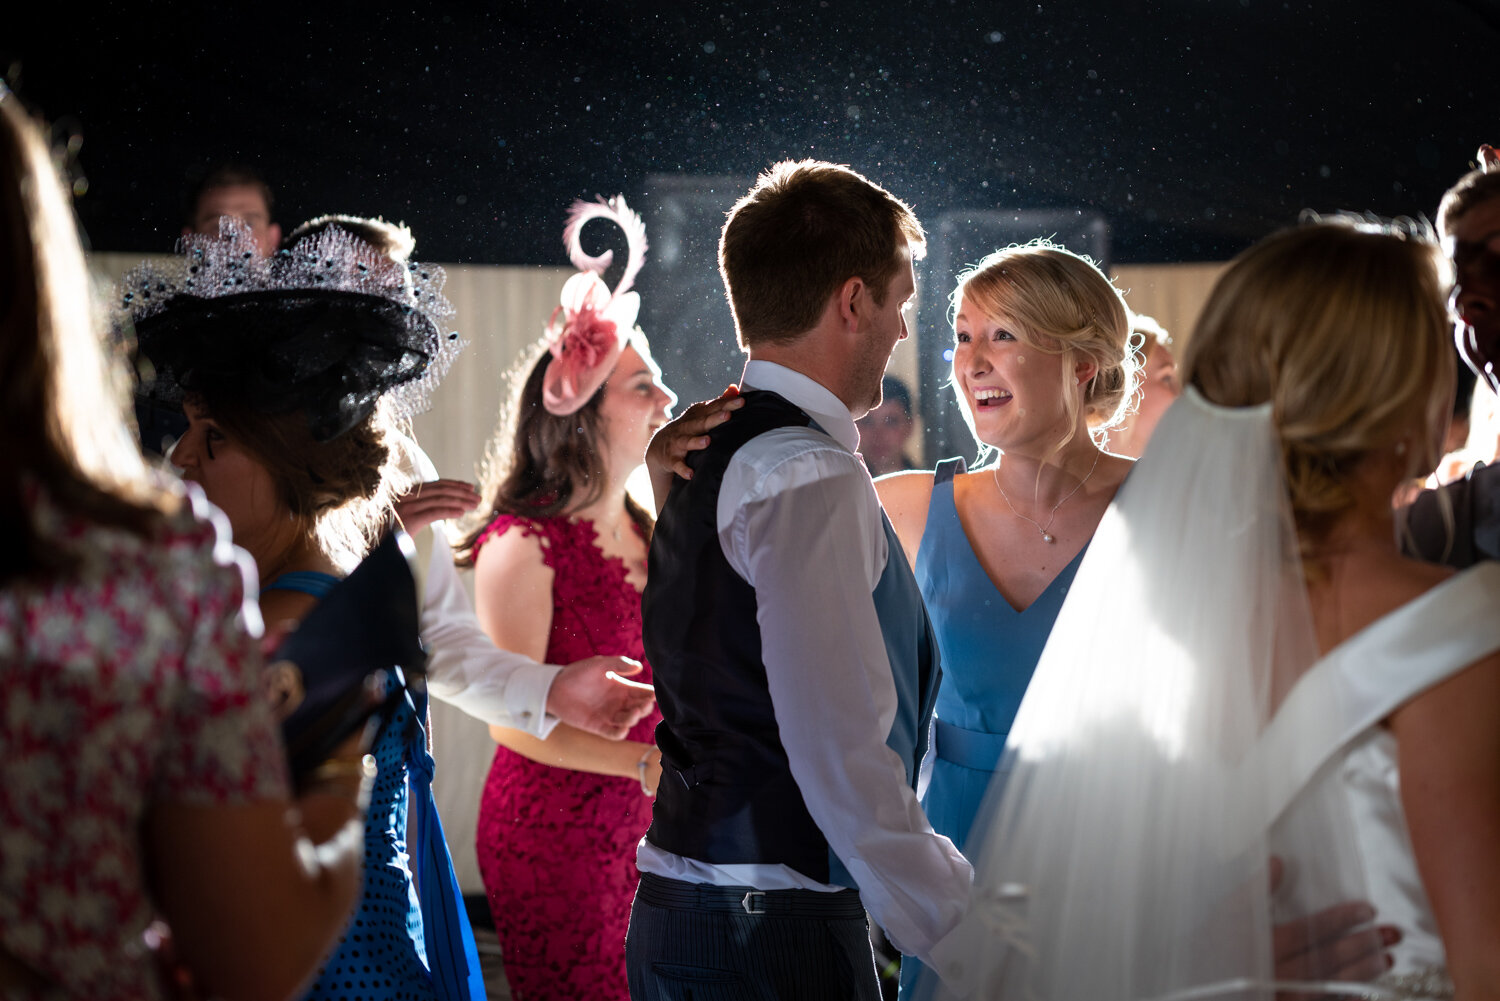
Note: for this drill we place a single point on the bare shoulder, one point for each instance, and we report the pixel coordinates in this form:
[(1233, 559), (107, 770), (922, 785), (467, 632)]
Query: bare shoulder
[(1365, 589), (1397, 580), (282, 606), (1114, 468), (513, 592), (511, 552), (905, 497)]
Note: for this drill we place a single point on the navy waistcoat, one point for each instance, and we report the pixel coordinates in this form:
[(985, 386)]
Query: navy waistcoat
[(727, 795)]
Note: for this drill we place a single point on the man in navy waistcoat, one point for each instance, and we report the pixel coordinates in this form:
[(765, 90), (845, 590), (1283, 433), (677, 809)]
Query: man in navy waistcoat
[(793, 660)]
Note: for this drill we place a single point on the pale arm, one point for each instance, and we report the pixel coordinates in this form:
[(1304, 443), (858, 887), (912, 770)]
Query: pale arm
[(207, 862), (566, 747), (513, 591), (1449, 758), (505, 688), (497, 686), (905, 497)]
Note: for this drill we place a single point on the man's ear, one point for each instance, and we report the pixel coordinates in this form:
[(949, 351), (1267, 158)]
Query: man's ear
[(853, 299), (274, 232)]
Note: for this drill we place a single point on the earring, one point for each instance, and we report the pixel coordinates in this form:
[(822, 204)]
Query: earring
[(1401, 447)]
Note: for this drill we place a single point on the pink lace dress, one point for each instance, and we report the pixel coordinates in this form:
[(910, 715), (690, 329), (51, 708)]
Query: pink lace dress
[(557, 847)]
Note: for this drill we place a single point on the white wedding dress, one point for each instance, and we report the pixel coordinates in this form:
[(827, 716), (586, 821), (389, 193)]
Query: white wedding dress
[(1182, 730), (1343, 698)]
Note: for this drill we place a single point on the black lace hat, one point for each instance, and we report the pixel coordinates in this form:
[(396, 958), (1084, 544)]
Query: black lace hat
[(328, 326)]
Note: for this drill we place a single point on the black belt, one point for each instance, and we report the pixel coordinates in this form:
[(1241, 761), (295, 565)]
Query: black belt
[(659, 891)]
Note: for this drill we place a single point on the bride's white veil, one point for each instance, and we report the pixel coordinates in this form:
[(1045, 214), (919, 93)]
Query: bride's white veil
[(1128, 855)]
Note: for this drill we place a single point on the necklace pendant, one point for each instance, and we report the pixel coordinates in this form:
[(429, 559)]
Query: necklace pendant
[(1048, 537)]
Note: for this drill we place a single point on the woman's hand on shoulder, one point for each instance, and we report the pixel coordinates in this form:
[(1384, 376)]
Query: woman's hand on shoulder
[(513, 592), (905, 497), (688, 432)]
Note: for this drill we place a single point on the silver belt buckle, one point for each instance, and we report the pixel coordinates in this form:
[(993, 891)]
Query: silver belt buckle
[(757, 905)]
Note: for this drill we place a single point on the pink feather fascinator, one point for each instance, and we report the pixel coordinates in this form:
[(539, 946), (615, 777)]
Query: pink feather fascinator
[(591, 324)]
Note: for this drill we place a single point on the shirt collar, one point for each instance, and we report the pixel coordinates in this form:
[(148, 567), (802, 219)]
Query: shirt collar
[(812, 396)]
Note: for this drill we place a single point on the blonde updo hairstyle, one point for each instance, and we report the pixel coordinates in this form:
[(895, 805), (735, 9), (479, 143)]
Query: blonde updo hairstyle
[(1339, 324), (1059, 303)]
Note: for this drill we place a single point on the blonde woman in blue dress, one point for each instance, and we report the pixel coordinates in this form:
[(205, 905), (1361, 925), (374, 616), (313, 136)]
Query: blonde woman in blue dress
[(1041, 354)]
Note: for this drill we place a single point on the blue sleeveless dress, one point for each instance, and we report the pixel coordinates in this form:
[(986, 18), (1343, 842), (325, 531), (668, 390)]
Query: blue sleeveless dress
[(989, 653), (383, 954)]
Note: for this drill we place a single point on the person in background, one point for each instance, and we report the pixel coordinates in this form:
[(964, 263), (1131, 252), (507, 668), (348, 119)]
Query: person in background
[(237, 191), (794, 664), (1156, 392), (1459, 524), (885, 431), (229, 191), (141, 772), (1041, 358)]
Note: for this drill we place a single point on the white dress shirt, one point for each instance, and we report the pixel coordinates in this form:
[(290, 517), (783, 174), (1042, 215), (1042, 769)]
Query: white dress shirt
[(799, 520), (464, 667)]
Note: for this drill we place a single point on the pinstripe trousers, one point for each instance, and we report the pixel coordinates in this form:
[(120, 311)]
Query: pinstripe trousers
[(693, 942)]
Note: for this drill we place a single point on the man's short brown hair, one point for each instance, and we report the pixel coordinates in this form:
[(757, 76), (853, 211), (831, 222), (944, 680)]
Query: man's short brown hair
[(802, 231)]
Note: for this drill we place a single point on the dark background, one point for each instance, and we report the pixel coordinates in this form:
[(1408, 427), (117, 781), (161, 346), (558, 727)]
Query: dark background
[(1193, 126)]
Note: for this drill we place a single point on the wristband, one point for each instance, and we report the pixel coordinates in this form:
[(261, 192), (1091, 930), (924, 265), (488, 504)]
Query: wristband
[(640, 766), (336, 768)]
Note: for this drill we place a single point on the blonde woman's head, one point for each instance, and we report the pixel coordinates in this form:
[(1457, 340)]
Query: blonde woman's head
[(1058, 302), (1341, 325)]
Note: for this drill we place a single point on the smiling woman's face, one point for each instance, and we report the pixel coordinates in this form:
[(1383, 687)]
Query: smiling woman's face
[(1012, 391), (231, 477)]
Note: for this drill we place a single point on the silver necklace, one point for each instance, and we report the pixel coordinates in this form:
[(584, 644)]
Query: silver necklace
[(1046, 535)]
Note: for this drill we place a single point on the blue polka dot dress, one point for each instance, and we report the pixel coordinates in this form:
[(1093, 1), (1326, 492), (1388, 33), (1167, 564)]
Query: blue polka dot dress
[(382, 956)]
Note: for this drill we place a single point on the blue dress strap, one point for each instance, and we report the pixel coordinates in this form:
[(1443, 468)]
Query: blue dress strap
[(451, 952), (306, 581), (947, 469)]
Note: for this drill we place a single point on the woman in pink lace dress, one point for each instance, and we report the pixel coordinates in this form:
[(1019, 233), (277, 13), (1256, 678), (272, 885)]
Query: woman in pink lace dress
[(559, 562)]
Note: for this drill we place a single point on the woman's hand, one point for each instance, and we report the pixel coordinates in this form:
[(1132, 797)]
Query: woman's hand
[(435, 500), (671, 444), (667, 454), (1338, 943)]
